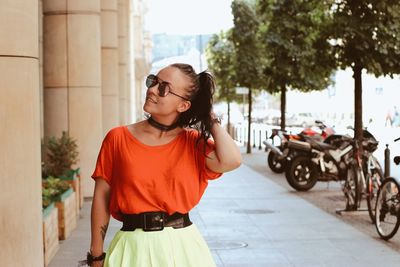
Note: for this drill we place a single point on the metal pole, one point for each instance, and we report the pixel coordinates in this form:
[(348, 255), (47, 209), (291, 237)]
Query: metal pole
[(266, 135), (387, 161), (245, 136), (254, 138), (259, 140)]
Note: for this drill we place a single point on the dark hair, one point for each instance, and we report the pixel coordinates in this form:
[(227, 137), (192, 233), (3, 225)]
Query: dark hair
[(198, 116)]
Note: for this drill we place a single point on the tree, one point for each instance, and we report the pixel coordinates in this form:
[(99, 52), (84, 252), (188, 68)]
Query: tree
[(297, 54), (366, 36), (221, 61), (248, 62)]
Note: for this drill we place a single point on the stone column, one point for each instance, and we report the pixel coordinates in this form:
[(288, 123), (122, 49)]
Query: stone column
[(109, 64), (129, 53), (41, 67), (142, 48), (122, 58), (72, 78), (132, 52), (21, 239)]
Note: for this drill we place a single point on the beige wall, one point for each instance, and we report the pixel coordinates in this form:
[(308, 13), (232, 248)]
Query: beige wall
[(20, 174)]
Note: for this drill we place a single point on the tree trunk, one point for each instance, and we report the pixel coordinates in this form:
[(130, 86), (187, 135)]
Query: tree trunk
[(358, 123), (248, 150), (229, 117), (283, 106)]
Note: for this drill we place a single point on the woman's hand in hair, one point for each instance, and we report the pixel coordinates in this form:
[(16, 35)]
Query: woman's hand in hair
[(226, 156)]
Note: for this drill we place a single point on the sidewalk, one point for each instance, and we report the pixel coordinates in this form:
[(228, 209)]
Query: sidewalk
[(248, 220)]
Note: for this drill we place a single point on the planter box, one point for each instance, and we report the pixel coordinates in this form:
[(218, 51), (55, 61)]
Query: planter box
[(74, 179), (80, 197), (50, 233), (67, 217)]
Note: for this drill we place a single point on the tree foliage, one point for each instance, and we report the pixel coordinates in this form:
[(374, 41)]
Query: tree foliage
[(246, 44), (295, 49), (221, 61), (248, 60), (366, 36)]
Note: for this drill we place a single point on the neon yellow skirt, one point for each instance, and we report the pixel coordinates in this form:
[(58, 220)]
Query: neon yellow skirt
[(183, 247)]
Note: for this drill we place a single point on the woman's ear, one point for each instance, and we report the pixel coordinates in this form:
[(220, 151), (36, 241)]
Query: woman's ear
[(184, 106)]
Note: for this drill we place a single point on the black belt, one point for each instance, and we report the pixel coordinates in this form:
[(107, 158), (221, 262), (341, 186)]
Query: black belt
[(154, 221)]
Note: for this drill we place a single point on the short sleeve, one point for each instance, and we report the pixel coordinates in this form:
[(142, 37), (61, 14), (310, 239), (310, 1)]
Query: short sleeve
[(105, 158), (206, 173)]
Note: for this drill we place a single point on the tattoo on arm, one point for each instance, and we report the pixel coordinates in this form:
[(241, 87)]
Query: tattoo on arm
[(104, 231)]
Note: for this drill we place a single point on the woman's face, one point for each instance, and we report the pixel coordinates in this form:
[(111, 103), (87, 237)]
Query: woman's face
[(176, 88)]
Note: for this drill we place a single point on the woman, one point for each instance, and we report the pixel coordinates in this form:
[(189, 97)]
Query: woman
[(150, 174)]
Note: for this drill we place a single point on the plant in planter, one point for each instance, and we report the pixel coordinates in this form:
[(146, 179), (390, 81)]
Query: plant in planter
[(58, 199), (59, 156), (53, 188), (47, 196)]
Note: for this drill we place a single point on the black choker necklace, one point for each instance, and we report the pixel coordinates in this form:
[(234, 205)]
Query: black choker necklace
[(160, 126)]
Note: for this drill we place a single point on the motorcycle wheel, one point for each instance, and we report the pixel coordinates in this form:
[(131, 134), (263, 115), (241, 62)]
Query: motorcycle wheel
[(373, 183), (301, 173), (275, 164)]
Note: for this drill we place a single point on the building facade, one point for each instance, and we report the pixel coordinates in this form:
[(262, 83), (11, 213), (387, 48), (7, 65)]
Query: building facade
[(65, 65)]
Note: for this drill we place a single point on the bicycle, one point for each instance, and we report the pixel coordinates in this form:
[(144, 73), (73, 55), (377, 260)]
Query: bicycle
[(387, 209), (364, 176)]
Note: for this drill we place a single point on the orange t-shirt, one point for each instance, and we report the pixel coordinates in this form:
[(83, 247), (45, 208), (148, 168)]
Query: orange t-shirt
[(170, 177)]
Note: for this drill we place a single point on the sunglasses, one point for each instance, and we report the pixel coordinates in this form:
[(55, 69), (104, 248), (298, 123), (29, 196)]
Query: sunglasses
[(163, 87)]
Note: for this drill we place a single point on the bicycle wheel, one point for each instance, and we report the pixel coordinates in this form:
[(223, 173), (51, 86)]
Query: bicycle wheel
[(373, 182), (350, 187), (387, 219)]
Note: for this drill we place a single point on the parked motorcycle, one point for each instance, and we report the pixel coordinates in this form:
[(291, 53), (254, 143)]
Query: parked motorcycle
[(278, 155), (318, 161)]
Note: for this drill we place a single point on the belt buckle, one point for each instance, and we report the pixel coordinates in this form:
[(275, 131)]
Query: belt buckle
[(153, 221)]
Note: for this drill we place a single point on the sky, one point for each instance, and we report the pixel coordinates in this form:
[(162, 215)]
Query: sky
[(188, 16)]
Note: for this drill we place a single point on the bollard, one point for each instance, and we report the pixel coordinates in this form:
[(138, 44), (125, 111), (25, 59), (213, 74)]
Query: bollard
[(259, 140), (254, 138), (387, 161), (266, 137)]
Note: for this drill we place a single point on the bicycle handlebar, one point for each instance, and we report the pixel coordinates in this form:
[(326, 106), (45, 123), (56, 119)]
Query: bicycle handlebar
[(397, 139)]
